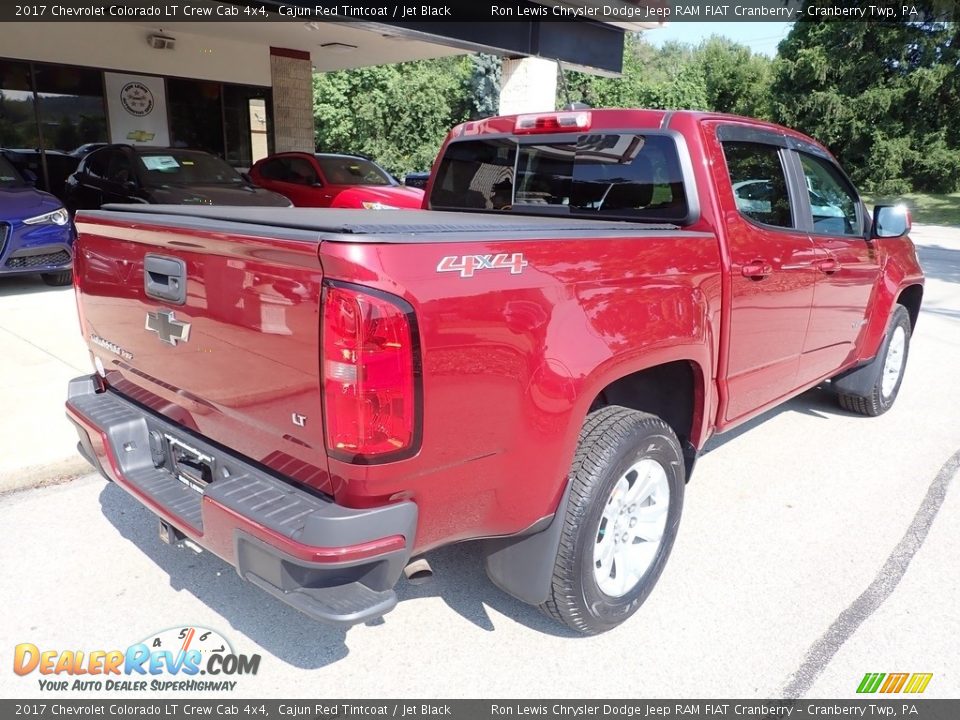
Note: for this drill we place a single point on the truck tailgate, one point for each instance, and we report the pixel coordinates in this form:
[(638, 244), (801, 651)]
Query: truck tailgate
[(236, 359)]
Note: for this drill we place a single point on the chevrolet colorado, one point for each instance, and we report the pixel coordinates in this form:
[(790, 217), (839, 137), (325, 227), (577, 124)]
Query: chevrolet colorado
[(533, 360)]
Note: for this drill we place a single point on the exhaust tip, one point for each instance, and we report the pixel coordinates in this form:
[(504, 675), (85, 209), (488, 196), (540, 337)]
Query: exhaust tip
[(418, 572)]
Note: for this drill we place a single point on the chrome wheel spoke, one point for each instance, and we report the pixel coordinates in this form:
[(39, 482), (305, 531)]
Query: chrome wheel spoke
[(631, 527), (893, 363)]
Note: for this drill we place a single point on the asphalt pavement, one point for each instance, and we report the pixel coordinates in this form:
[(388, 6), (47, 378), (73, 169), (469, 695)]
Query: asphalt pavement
[(816, 546)]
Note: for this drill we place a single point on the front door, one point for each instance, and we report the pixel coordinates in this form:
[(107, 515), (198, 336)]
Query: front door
[(847, 268)]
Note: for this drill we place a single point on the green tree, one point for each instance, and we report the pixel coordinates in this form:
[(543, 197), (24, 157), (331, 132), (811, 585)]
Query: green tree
[(737, 80), (399, 114), (882, 96), (665, 78)]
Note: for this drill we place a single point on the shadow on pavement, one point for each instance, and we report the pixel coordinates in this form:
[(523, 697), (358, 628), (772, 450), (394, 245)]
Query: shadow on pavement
[(819, 402), (459, 580), (25, 285)]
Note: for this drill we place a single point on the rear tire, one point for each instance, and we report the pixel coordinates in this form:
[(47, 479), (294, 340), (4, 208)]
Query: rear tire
[(58, 279), (620, 521), (890, 362)]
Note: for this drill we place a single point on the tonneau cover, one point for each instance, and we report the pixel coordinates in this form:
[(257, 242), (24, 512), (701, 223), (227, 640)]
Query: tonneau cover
[(385, 222)]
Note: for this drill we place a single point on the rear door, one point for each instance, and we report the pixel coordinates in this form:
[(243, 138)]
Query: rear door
[(847, 264), (87, 185), (120, 183), (296, 178), (772, 274)]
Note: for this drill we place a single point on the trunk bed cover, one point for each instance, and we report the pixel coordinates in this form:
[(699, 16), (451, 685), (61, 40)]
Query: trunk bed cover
[(375, 225)]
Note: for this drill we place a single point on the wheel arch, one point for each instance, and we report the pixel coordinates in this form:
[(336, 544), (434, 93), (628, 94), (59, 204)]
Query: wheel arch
[(674, 391), (911, 297)]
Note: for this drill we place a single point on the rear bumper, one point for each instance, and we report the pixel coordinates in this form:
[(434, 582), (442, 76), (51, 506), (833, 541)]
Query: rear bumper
[(335, 564)]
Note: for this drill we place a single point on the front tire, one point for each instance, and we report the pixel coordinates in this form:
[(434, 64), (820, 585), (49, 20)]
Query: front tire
[(620, 521), (58, 279), (891, 362)]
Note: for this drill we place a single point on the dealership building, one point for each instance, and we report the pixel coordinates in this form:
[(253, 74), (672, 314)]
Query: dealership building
[(243, 89)]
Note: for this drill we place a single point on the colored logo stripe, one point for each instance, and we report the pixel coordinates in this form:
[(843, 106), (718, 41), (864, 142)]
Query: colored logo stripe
[(895, 682), (918, 682), (870, 682)]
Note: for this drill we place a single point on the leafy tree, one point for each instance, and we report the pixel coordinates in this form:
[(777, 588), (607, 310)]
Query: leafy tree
[(882, 96), (666, 78), (481, 87), (737, 80), (399, 114)]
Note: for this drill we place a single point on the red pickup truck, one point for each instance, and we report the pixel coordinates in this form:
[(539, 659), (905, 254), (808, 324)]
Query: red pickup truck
[(533, 360)]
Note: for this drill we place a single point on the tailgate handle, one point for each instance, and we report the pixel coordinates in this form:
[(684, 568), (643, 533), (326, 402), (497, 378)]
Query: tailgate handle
[(165, 278)]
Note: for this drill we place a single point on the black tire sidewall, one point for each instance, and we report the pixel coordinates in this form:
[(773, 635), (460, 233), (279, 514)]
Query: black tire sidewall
[(644, 442), (58, 279), (900, 318)]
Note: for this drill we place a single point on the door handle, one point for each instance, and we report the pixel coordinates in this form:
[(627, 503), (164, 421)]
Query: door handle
[(756, 270), (829, 266), (165, 278)]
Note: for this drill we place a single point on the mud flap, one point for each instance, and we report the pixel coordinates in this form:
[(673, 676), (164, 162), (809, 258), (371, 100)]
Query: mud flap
[(523, 566)]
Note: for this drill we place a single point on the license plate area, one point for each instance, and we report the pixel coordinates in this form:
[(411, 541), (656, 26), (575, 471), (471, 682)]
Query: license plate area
[(189, 465)]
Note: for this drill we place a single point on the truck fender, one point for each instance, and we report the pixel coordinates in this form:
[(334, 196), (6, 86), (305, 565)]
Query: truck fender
[(862, 378)]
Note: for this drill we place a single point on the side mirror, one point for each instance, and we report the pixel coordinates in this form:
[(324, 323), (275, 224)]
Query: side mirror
[(130, 185), (890, 221), (246, 178), (316, 184), (29, 177)]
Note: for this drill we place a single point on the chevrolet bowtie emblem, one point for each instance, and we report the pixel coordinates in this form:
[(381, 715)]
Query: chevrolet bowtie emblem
[(170, 330)]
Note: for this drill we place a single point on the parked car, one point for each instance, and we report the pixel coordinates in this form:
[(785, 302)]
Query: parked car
[(36, 236), (536, 367), (416, 179), (169, 176), (87, 148), (30, 165), (332, 180)]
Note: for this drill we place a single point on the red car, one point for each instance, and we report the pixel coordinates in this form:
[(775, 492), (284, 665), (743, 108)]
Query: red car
[(332, 180)]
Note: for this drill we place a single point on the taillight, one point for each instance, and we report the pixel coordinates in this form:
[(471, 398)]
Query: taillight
[(552, 122), (370, 370)]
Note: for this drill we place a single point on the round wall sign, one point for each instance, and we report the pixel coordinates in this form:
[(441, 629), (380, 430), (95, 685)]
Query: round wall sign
[(136, 99)]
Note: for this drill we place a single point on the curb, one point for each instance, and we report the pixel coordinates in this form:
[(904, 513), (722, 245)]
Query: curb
[(37, 476)]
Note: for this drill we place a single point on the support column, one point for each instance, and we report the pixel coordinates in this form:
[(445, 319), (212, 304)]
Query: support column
[(292, 75), (528, 84)]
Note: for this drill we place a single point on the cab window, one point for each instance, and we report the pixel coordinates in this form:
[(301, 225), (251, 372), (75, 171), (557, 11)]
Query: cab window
[(832, 202), (759, 183)]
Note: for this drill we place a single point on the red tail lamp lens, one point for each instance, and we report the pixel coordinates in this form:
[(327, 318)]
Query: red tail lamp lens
[(368, 375)]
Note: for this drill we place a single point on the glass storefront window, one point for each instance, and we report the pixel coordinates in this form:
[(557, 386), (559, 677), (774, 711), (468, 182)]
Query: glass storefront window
[(196, 116), (18, 123), (71, 106), (233, 122)]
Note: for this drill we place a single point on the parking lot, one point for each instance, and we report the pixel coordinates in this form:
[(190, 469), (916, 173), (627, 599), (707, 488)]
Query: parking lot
[(816, 546)]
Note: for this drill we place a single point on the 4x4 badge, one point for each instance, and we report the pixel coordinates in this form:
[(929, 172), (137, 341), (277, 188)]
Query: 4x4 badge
[(170, 330)]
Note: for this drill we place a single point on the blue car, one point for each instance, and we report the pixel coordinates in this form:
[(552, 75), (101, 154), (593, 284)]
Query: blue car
[(36, 235)]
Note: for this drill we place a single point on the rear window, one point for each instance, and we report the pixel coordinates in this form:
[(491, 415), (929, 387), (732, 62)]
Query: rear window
[(611, 176), (9, 177), (340, 170)]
